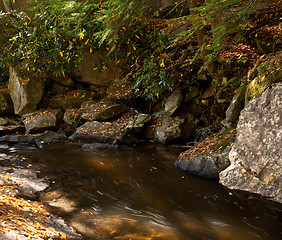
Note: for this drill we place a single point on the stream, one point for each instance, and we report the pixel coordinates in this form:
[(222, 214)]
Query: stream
[(137, 194)]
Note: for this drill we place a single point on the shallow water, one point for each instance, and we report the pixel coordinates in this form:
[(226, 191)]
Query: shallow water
[(136, 193)]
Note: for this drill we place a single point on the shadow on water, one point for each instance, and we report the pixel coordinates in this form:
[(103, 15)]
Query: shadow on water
[(136, 193)]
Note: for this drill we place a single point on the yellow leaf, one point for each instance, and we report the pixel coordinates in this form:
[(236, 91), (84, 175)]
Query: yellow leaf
[(27, 16), (134, 47), (61, 54), (162, 63), (90, 50), (64, 237), (86, 41)]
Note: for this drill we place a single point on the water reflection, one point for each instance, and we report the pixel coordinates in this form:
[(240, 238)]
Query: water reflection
[(136, 193)]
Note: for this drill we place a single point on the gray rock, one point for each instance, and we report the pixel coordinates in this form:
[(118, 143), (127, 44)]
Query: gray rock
[(72, 116), (42, 120), (237, 103), (46, 137), (11, 129), (25, 93), (173, 102), (209, 165), (104, 132), (139, 121), (256, 164), (174, 128), (102, 111), (99, 146)]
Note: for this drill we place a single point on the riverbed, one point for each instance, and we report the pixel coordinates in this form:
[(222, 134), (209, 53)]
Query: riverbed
[(136, 193)]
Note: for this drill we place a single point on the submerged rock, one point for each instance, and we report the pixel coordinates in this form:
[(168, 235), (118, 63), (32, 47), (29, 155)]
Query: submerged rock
[(256, 164), (41, 138), (99, 146)]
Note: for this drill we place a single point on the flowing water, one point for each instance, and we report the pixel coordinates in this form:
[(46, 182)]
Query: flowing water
[(137, 194)]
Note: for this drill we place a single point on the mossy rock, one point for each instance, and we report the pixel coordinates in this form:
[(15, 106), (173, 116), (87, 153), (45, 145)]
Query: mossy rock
[(267, 73)]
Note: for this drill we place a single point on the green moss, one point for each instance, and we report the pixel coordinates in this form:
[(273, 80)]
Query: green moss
[(267, 73), (257, 87)]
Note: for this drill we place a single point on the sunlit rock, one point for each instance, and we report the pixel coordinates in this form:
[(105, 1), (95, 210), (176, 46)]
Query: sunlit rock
[(25, 93), (42, 120), (256, 164)]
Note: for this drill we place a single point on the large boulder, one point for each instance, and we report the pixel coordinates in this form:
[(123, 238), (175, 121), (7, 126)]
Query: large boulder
[(6, 105), (42, 120), (25, 93), (256, 164)]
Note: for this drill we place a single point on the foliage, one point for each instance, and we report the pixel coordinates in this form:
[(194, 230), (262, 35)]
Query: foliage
[(48, 39), (224, 23)]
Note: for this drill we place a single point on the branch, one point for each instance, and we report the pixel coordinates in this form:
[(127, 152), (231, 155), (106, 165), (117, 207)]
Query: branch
[(173, 8)]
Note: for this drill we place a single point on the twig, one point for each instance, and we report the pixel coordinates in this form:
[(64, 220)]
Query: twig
[(173, 8)]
